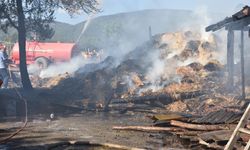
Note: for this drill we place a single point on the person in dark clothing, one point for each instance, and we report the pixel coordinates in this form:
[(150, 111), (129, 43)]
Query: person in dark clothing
[(1, 82)]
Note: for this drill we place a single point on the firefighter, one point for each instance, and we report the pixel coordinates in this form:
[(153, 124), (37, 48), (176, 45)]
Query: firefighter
[(3, 66)]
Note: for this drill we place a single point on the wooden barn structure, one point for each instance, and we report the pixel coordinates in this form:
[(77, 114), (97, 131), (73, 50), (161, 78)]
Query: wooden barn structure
[(238, 22)]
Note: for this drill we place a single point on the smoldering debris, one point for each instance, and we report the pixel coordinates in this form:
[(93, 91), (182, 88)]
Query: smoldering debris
[(172, 64), (176, 78)]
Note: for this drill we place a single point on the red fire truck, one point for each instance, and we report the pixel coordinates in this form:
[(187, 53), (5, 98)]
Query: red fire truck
[(45, 53)]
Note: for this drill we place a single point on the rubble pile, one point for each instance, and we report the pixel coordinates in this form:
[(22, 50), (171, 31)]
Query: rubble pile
[(179, 65)]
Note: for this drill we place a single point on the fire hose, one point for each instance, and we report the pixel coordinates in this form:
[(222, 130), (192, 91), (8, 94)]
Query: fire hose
[(5, 140)]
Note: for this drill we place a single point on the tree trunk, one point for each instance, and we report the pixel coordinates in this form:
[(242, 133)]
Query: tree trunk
[(22, 46)]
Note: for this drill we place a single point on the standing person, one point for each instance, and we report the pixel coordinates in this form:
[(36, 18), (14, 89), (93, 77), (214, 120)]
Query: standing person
[(3, 66), (1, 82)]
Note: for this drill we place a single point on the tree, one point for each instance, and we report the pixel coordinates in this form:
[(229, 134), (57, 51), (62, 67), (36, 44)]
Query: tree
[(33, 17)]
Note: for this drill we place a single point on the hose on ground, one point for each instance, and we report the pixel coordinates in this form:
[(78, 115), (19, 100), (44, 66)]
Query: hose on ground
[(7, 139)]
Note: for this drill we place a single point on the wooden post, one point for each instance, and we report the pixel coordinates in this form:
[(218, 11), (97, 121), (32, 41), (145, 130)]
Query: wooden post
[(242, 64), (230, 58)]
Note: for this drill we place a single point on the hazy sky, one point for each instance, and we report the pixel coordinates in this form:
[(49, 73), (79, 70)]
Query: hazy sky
[(117, 6)]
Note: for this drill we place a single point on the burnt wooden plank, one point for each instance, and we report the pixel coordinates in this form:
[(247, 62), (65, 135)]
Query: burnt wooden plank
[(218, 117)]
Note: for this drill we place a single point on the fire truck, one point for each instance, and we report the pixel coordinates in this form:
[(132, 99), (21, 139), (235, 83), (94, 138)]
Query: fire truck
[(43, 54)]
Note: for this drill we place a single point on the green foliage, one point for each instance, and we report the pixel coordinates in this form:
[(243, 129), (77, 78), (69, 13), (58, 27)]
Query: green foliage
[(39, 14)]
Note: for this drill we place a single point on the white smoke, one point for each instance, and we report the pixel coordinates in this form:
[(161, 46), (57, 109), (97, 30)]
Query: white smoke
[(70, 67), (157, 70), (162, 71), (127, 79), (160, 68), (190, 60), (204, 20), (33, 69)]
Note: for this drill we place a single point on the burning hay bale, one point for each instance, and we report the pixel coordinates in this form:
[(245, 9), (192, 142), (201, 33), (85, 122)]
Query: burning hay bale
[(187, 79), (196, 66), (153, 69), (175, 41), (130, 65), (208, 46), (214, 65), (136, 80), (182, 88), (191, 49), (55, 81), (189, 73), (107, 63), (185, 71), (177, 106)]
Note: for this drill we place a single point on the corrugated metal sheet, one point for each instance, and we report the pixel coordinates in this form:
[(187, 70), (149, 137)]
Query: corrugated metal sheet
[(218, 117)]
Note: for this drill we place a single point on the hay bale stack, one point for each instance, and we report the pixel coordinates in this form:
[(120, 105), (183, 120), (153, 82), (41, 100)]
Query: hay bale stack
[(214, 65)]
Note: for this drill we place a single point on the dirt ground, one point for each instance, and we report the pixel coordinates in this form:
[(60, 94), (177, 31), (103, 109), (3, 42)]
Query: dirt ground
[(42, 133)]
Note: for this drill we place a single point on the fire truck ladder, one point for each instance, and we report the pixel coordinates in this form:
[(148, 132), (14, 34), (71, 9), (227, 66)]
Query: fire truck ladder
[(240, 128)]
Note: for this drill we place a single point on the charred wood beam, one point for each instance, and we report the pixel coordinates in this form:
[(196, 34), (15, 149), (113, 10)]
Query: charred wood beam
[(229, 24), (245, 28), (230, 58), (236, 21), (123, 109), (242, 64), (142, 99), (148, 129), (210, 145), (219, 25), (155, 100), (244, 12), (238, 25), (188, 95), (189, 133), (198, 126), (163, 98), (220, 135), (222, 116)]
